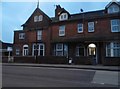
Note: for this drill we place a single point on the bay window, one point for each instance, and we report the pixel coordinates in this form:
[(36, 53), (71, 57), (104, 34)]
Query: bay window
[(60, 49), (38, 49), (113, 49)]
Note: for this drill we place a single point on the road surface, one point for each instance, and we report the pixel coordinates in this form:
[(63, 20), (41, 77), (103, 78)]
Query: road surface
[(23, 76)]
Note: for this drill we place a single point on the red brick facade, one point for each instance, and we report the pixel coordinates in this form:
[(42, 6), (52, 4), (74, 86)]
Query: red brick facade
[(73, 44)]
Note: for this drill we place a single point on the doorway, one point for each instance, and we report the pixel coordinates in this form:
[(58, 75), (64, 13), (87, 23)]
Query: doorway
[(92, 52)]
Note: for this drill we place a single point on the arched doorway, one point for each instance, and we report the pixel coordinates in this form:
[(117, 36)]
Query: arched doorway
[(25, 50), (92, 52)]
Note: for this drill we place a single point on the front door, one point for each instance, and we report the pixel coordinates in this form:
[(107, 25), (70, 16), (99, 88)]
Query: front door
[(92, 52)]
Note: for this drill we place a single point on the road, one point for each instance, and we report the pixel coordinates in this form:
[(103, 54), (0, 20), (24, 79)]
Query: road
[(23, 76)]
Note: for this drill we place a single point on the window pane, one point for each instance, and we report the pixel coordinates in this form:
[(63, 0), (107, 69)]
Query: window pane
[(61, 16), (115, 25), (35, 18), (17, 51), (59, 46), (41, 47), (39, 34), (62, 27), (41, 52), (80, 27), (21, 35), (65, 16), (40, 18), (91, 27), (65, 50), (62, 30), (113, 49)]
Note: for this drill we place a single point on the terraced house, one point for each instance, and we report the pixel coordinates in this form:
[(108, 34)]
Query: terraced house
[(86, 37)]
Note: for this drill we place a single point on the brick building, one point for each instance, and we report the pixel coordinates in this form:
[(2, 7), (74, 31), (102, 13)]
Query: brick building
[(5, 51), (86, 37)]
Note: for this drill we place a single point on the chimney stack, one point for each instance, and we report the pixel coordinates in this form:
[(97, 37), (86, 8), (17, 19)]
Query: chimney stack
[(57, 10)]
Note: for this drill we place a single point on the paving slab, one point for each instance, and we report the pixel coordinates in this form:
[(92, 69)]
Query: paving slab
[(106, 77)]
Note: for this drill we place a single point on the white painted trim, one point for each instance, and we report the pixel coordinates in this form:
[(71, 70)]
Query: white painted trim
[(89, 25), (80, 27), (62, 29), (38, 44), (62, 16)]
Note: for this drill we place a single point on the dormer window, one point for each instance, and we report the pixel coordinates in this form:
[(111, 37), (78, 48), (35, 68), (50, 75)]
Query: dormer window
[(38, 18), (113, 9), (63, 16)]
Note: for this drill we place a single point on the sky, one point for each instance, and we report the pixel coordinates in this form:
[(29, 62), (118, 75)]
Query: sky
[(14, 14)]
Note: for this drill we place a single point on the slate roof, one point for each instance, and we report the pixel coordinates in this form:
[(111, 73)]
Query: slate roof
[(118, 3), (5, 45), (78, 16), (84, 15), (36, 10)]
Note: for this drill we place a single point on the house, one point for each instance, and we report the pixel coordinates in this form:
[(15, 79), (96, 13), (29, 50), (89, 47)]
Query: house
[(86, 37), (6, 51)]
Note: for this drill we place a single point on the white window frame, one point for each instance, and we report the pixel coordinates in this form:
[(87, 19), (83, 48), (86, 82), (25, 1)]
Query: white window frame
[(113, 9), (63, 16), (62, 30), (111, 47), (25, 50), (90, 26), (63, 49), (59, 49), (17, 51), (39, 35), (117, 25), (38, 49), (35, 18), (80, 28), (38, 18), (21, 36), (43, 49)]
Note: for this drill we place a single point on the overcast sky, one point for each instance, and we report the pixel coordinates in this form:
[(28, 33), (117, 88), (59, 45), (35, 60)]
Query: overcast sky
[(14, 14)]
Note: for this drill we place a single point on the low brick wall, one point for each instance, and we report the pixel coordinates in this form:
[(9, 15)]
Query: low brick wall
[(26, 59), (112, 61), (52, 60), (83, 60), (4, 59), (41, 59), (63, 60)]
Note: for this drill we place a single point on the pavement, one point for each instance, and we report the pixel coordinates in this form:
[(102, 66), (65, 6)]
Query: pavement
[(91, 67)]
